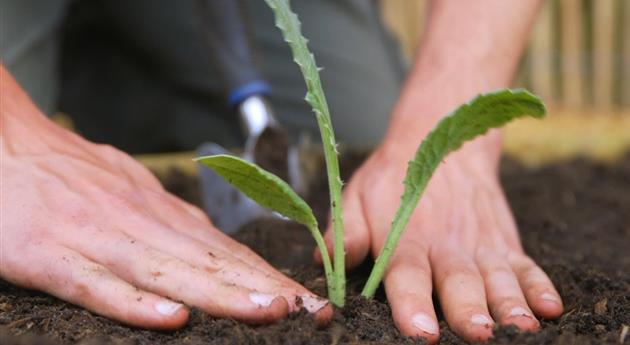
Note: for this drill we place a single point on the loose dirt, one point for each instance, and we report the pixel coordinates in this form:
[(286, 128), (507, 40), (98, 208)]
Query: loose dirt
[(574, 220)]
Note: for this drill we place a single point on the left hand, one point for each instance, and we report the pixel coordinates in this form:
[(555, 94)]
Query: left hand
[(461, 243)]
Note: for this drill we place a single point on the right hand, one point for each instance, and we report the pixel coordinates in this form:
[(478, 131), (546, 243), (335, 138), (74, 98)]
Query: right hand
[(90, 225)]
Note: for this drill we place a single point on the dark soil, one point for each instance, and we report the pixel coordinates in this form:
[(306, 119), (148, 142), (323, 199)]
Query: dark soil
[(574, 218), (271, 152)]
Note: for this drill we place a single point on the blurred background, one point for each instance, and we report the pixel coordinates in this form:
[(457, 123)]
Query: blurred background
[(578, 61), (579, 55)]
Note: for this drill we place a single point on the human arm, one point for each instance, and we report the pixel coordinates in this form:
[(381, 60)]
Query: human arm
[(468, 48), (461, 243)]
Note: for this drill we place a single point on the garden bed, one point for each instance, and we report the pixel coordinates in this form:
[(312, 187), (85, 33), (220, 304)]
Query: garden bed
[(574, 219)]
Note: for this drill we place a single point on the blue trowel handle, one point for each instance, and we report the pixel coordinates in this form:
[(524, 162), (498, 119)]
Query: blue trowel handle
[(228, 37)]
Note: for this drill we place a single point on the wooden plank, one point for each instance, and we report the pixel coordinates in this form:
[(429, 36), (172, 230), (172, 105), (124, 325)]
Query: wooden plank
[(603, 53), (572, 41), (541, 54)]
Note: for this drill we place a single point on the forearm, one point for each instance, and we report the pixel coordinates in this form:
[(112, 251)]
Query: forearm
[(469, 47)]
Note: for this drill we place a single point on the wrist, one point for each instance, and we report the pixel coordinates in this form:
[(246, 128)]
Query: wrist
[(25, 129), (435, 88), (481, 155)]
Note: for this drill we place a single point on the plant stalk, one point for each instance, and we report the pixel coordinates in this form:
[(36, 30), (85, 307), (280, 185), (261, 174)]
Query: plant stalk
[(328, 268), (382, 261), (289, 24), (334, 182)]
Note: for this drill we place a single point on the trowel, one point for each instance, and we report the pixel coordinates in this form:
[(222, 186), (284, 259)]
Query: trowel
[(267, 143)]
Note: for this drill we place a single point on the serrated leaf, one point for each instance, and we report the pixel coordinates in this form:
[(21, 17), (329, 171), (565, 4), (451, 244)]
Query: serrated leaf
[(265, 188), (470, 120), (290, 26)]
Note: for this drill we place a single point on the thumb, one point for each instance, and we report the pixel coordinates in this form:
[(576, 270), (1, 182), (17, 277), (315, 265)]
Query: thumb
[(356, 233)]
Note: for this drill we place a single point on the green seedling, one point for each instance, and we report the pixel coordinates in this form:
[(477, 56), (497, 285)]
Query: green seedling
[(270, 191), (470, 120), (289, 24)]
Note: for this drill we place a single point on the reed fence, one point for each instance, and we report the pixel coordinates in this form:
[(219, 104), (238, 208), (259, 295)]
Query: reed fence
[(578, 56)]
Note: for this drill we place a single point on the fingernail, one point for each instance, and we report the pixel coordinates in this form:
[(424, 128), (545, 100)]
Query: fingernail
[(549, 297), (520, 311), (313, 303), (167, 308), (425, 323), (261, 299), (481, 320)]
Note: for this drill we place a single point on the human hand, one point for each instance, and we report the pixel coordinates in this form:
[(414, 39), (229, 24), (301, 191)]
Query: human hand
[(90, 225), (461, 243)]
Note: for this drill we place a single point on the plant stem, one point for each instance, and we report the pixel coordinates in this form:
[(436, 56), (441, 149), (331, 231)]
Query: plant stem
[(334, 182), (289, 24), (382, 261), (323, 250)]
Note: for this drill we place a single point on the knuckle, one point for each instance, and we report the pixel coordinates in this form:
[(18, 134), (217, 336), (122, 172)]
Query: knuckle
[(142, 174), (466, 310), (156, 269), (81, 291), (507, 303), (519, 260), (525, 266), (108, 151), (534, 276), (531, 270), (457, 273), (194, 210), (402, 266), (412, 297), (243, 249), (499, 273)]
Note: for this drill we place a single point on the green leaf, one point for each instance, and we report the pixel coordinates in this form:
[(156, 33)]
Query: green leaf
[(263, 187), (289, 24), (470, 120)]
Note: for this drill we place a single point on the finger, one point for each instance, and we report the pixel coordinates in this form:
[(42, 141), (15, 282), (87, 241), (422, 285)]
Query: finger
[(174, 214), (242, 272), (462, 295), (256, 275), (234, 264), (71, 277), (505, 297), (203, 246), (538, 288), (409, 289), (167, 275), (507, 223), (199, 243), (356, 238)]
